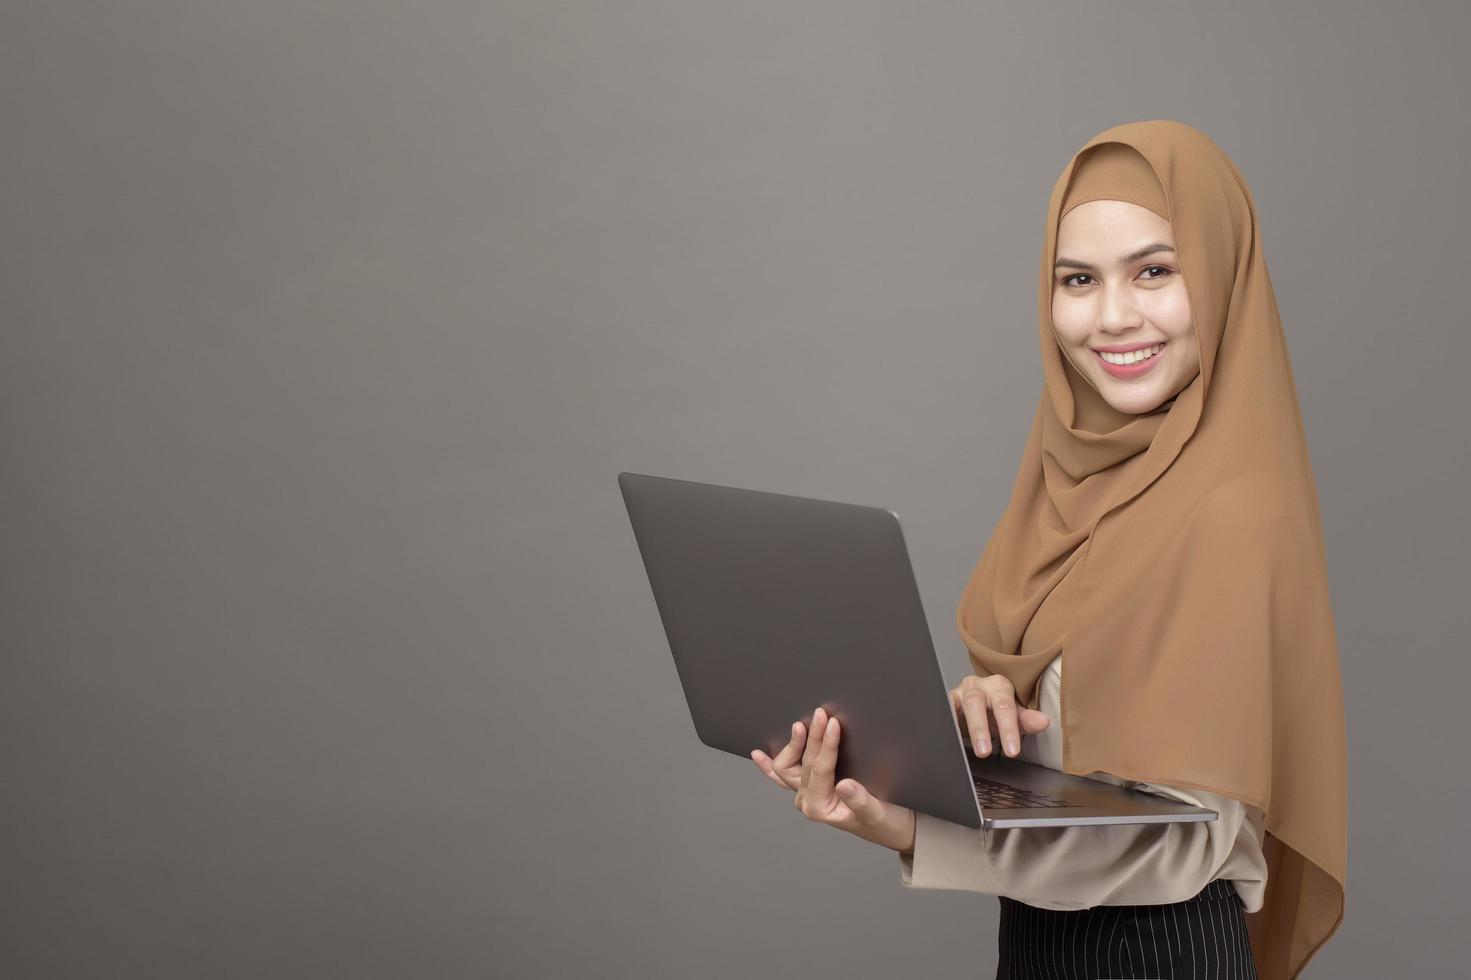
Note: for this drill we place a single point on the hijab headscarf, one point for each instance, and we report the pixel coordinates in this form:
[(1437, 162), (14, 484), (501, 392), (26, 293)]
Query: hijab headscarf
[(1185, 550)]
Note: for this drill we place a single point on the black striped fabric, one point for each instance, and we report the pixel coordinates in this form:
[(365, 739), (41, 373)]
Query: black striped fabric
[(1201, 938)]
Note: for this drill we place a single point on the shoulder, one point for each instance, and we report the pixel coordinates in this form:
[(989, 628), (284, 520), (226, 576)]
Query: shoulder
[(1241, 503)]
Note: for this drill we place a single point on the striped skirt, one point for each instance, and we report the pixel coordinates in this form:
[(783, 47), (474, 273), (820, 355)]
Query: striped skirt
[(1201, 938)]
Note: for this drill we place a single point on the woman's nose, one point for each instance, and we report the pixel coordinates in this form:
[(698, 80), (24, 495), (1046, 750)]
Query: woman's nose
[(1118, 311)]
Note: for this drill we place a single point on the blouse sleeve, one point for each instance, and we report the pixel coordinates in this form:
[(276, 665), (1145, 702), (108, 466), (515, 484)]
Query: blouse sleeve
[(1070, 868)]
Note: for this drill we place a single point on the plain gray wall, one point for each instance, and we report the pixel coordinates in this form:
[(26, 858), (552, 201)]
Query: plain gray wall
[(327, 327)]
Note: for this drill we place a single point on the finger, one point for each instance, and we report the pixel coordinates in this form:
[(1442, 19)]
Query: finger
[(867, 808), (792, 751), (1003, 708), (974, 704), (786, 766), (814, 740), (825, 765), (814, 737), (764, 764), (1033, 721)]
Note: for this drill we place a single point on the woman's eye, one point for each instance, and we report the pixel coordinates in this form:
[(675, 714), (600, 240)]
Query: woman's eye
[(1163, 271)]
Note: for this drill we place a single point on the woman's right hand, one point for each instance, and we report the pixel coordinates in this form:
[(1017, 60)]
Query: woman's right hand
[(986, 707)]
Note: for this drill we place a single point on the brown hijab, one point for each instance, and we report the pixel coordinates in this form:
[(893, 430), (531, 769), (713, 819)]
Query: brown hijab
[(1186, 550)]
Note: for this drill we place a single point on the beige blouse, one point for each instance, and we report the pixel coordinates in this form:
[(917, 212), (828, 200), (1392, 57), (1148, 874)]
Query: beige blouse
[(1071, 868)]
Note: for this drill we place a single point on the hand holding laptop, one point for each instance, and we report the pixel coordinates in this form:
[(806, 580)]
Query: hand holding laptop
[(807, 766)]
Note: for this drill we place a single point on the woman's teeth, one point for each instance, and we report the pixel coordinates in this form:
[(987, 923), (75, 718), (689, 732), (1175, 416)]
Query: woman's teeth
[(1133, 356)]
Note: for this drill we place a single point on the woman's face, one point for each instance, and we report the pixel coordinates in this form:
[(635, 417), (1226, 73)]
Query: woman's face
[(1117, 287)]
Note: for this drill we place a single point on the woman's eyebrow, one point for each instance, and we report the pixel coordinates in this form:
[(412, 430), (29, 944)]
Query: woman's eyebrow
[(1134, 257)]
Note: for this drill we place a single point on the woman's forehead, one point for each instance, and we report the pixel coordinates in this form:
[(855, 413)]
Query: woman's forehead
[(1116, 227)]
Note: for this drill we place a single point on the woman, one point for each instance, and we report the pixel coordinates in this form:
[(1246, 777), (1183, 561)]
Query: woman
[(1164, 536)]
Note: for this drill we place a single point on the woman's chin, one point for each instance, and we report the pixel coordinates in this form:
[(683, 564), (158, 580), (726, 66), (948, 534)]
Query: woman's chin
[(1133, 399)]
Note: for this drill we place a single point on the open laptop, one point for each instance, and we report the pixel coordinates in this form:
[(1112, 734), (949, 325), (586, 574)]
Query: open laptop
[(774, 604)]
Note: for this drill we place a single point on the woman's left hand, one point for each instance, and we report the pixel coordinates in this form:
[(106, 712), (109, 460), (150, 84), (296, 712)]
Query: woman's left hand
[(807, 766)]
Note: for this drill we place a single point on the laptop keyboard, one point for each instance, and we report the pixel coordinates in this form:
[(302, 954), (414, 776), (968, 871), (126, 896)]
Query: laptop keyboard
[(1000, 796)]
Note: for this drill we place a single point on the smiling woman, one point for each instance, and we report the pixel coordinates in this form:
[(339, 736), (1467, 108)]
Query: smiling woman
[(1164, 537), (1164, 533)]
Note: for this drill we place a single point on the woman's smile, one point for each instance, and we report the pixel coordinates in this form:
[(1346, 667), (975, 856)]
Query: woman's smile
[(1131, 364)]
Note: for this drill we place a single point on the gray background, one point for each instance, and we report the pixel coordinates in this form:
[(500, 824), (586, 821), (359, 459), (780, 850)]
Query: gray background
[(327, 327)]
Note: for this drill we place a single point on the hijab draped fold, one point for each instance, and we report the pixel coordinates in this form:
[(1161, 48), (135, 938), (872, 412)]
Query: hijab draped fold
[(1200, 648)]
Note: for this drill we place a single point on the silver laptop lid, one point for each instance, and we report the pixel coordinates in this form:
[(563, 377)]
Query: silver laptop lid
[(773, 604)]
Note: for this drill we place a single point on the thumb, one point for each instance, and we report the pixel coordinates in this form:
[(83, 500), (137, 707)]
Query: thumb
[(867, 808), (1032, 720)]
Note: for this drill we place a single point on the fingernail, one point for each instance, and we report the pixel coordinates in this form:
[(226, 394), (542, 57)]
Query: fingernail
[(985, 746), (1011, 746)]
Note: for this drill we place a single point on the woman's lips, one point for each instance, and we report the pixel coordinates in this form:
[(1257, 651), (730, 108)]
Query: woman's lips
[(1134, 370)]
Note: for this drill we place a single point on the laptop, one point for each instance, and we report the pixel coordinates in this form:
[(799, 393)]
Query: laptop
[(774, 603)]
